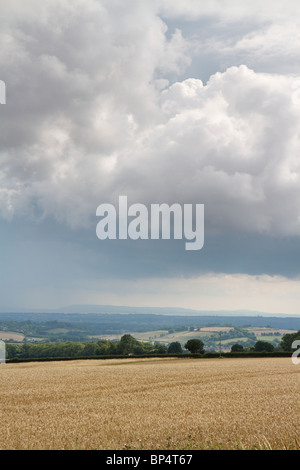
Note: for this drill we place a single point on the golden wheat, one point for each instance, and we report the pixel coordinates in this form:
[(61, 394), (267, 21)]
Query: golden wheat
[(151, 404)]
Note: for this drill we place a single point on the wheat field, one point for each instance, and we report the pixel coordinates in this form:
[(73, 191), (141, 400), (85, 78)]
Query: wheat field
[(166, 404)]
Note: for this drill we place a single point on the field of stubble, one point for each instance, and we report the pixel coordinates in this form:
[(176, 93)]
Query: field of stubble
[(166, 404)]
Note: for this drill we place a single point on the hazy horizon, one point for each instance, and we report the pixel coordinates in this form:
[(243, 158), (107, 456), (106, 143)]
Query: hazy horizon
[(132, 310)]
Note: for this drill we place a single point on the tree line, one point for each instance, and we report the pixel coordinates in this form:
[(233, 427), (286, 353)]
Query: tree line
[(128, 345), (286, 345)]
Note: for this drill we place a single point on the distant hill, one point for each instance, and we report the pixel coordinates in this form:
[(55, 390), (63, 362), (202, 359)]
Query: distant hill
[(115, 309), (107, 322)]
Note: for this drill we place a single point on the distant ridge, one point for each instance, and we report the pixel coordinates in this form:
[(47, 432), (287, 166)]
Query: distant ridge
[(110, 322), (112, 309), (174, 311)]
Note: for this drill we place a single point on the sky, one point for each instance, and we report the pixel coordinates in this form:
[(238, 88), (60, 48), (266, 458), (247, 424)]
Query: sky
[(183, 102)]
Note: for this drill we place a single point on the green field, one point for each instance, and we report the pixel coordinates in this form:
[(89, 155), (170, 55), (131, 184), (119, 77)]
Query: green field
[(211, 337), (164, 337), (151, 329)]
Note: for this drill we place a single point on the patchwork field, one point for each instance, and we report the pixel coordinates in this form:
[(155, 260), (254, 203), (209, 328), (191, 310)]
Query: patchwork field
[(204, 333), (163, 404), (11, 335)]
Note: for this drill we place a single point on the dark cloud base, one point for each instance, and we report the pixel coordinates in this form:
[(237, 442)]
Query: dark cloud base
[(50, 251)]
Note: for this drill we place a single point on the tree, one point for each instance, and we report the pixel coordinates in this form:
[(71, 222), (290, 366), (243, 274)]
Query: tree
[(195, 346), (237, 348), (263, 346), (103, 347), (126, 344), (90, 349), (160, 349), (288, 339), (175, 348)]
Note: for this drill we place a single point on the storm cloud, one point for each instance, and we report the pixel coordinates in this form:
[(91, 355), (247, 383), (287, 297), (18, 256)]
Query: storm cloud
[(165, 102)]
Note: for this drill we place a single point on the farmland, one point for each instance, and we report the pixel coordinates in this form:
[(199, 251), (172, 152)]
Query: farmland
[(212, 335), (11, 336), (162, 329), (151, 404)]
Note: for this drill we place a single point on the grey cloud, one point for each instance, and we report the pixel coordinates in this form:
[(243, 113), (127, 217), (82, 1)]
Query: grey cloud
[(229, 11), (162, 101), (226, 144), (91, 116)]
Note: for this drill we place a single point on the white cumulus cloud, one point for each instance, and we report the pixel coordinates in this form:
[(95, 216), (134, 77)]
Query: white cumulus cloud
[(91, 115)]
